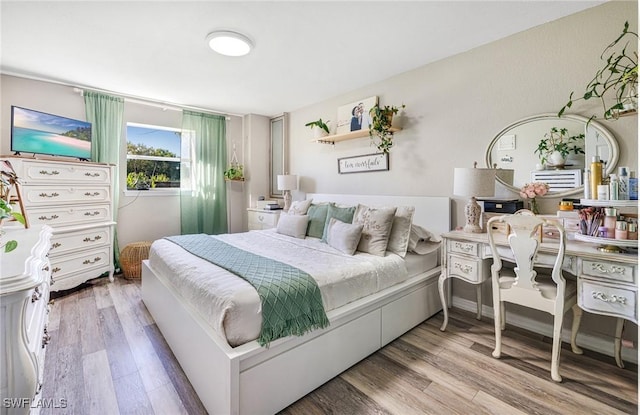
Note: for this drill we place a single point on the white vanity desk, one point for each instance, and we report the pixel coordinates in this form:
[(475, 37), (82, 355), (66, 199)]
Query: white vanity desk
[(607, 282)]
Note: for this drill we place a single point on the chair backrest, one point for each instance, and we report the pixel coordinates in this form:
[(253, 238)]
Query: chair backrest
[(524, 242)]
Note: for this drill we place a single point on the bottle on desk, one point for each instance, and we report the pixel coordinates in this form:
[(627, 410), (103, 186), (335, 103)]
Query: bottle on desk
[(614, 186), (621, 230), (623, 183), (596, 176), (633, 186)]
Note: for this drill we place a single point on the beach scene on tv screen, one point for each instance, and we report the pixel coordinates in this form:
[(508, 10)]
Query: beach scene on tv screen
[(37, 132)]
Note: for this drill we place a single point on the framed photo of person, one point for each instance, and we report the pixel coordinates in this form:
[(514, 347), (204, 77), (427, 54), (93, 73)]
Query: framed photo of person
[(355, 116)]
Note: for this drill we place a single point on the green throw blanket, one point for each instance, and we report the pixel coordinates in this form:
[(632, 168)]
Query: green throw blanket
[(291, 300)]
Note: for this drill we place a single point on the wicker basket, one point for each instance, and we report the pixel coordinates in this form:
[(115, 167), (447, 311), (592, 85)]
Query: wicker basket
[(131, 259)]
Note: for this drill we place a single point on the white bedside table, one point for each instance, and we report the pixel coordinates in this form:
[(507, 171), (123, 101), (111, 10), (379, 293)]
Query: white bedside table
[(262, 219)]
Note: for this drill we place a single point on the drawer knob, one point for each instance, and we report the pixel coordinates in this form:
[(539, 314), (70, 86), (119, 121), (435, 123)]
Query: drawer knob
[(92, 194), (612, 269), (36, 295), (260, 218), (94, 213), (56, 245), (599, 295), (54, 270), (52, 217), (88, 261), (463, 267), (96, 238), (54, 194), (464, 247), (89, 174), (49, 173)]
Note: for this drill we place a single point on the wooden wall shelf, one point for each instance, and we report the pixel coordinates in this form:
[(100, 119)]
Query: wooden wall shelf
[(332, 139)]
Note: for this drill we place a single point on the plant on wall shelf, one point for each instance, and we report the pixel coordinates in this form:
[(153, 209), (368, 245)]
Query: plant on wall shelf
[(320, 128), (618, 77), (381, 119), (557, 145)]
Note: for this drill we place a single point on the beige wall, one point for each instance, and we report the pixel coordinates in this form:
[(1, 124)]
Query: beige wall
[(456, 106)]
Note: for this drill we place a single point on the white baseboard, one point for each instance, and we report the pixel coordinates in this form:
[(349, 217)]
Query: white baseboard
[(600, 344)]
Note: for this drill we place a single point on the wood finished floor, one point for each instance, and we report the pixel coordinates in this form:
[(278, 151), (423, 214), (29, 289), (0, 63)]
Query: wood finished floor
[(106, 356)]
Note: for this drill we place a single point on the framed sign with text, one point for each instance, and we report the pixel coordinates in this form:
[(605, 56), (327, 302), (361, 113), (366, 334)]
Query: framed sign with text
[(359, 164)]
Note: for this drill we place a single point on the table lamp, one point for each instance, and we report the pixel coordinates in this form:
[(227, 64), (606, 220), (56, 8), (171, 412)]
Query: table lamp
[(472, 183), (287, 183)]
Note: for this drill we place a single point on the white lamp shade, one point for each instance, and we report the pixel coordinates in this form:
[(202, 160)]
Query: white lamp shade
[(287, 182), (474, 182)]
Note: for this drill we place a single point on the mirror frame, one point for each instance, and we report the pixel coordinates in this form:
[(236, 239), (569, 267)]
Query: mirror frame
[(278, 154), (611, 140)]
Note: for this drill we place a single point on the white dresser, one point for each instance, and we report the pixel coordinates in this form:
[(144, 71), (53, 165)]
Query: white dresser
[(262, 219), (76, 200), (25, 276)]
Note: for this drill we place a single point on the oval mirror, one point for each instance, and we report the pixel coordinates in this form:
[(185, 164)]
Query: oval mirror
[(516, 147)]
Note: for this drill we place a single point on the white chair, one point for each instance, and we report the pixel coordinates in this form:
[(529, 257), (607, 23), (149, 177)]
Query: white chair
[(523, 285)]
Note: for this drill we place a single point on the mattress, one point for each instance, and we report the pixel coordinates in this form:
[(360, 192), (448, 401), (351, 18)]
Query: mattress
[(232, 306)]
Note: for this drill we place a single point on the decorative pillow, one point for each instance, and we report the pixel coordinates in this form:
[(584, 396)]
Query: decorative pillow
[(343, 236), (377, 223), (293, 225), (400, 231), (317, 214), (344, 214), (419, 234), (299, 207)]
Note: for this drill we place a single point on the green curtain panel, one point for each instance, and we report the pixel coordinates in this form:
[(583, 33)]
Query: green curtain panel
[(104, 112), (203, 193)]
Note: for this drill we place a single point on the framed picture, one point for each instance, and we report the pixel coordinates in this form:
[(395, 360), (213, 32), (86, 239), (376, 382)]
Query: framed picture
[(359, 164), (355, 116)]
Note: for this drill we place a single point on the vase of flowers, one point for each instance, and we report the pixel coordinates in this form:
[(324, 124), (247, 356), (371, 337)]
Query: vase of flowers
[(531, 191)]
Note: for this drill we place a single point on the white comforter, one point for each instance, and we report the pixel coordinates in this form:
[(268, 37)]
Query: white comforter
[(232, 306)]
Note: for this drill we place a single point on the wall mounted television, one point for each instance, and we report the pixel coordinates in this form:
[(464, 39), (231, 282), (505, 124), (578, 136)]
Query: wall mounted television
[(41, 133)]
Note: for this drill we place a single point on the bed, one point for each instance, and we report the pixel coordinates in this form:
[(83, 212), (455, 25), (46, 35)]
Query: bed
[(250, 379)]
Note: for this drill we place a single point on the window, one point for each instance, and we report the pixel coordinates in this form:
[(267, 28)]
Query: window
[(153, 157)]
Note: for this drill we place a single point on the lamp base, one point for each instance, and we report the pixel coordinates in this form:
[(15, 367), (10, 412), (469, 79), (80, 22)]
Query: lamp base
[(472, 213), (287, 200)]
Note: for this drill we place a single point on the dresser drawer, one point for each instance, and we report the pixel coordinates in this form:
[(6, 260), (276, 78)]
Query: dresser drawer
[(470, 269), (602, 298), (468, 248), (61, 173), (62, 216), (609, 270), (56, 195), (85, 261), (62, 242)]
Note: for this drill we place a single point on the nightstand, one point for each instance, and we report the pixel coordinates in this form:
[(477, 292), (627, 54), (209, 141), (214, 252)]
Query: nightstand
[(262, 219)]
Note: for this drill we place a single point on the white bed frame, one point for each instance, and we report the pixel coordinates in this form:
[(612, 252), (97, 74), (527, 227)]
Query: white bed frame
[(250, 379)]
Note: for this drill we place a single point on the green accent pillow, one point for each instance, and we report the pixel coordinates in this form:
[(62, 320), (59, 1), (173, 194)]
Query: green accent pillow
[(343, 214), (317, 217)]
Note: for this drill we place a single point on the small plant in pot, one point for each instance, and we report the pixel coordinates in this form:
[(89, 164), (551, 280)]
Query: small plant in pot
[(234, 172), (319, 128), (556, 145), (381, 120)]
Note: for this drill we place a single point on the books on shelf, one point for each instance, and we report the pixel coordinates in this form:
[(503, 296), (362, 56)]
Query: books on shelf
[(272, 206)]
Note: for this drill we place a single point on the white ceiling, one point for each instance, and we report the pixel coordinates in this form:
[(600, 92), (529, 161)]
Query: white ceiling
[(305, 52)]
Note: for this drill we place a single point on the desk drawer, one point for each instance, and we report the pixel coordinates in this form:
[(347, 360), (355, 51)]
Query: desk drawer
[(609, 271), (608, 299), (460, 247), (469, 269)]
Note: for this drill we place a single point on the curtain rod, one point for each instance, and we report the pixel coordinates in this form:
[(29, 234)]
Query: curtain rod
[(129, 98), (158, 104)]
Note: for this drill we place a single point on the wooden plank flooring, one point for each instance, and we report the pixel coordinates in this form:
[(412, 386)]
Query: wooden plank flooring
[(107, 356)]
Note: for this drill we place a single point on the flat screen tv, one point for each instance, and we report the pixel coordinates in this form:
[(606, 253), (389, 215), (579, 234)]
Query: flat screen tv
[(41, 133)]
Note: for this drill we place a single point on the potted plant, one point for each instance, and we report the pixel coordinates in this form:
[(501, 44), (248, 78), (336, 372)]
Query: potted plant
[(319, 128), (556, 145), (381, 120), (234, 172), (6, 211), (618, 77)]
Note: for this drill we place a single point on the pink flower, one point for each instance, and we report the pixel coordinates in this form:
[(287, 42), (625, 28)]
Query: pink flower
[(532, 190)]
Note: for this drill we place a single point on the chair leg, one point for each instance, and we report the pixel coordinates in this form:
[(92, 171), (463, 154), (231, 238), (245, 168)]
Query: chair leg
[(577, 317), (555, 350), (503, 316), (617, 342), (498, 310)]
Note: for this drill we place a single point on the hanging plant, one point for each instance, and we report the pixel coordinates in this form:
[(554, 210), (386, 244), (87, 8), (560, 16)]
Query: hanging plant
[(236, 170), (381, 120), (618, 77)]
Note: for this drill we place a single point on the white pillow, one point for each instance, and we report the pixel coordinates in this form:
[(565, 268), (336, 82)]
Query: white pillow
[(377, 223), (419, 235), (343, 236), (401, 230), (299, 207), (293, 225)]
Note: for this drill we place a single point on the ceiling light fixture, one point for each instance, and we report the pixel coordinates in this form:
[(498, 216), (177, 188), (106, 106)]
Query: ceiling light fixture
[(229, 43)]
